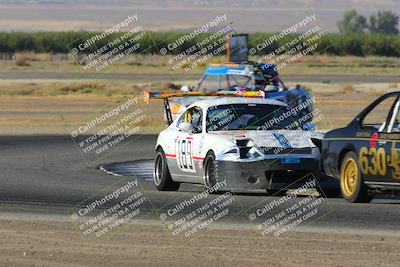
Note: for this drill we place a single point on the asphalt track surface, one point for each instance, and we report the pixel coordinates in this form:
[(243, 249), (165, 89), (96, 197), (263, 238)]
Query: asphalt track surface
[(299, 78), (47, 175)]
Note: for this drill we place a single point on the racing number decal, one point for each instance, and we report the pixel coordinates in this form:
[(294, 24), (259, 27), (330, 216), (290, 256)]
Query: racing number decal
[(184, 148), (378, 161), (394, 162)]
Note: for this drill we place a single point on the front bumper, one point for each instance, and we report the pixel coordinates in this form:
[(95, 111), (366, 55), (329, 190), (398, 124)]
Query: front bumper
[(266, 174)]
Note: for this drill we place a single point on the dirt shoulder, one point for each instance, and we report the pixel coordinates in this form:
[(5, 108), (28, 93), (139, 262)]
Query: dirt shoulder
[(45, 242)]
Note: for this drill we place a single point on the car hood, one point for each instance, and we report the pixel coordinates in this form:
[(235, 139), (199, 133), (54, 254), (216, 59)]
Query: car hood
[(275, 138)]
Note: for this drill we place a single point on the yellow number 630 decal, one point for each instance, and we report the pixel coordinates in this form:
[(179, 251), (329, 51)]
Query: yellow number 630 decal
[(378, 161)]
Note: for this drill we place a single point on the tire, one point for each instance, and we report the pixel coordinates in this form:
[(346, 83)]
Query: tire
[(210, 170), (161, 176), (351, 182)]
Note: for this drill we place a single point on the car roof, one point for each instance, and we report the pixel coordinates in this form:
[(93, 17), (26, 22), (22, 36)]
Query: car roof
[(225, 69), (216, 101)]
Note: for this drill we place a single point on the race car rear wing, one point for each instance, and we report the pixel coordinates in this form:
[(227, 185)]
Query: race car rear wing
[(165, 95), (177, 93)]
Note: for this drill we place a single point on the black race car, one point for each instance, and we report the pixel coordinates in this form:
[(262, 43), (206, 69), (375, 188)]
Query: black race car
[(365, 155)]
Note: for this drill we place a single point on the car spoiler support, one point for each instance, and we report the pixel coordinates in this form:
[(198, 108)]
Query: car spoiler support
[(167, 111)]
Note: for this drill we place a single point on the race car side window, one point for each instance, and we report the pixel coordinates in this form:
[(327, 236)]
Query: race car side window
[(197, 119), (377, 119), (394, 123), (180, 120), (193, 116)]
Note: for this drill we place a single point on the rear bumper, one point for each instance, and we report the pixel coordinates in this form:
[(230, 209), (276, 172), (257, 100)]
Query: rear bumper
[(266, 174)]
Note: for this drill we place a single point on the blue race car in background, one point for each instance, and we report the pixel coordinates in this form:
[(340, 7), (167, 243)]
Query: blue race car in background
[(232, 77)]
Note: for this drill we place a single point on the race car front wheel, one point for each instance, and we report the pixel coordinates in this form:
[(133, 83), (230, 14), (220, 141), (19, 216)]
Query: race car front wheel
[(351, 182), (161, 175), (210, 172)]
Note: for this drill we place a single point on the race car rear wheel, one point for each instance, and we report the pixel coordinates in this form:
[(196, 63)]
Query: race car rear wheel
[(351, 182), (210, 170), (161, 175)]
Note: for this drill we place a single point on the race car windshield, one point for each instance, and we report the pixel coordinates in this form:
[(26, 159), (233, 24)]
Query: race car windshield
[(214, 83), (251, 117)]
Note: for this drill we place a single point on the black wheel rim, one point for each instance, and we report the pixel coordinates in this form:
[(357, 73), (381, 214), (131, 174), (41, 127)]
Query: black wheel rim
[(210, 172), (158, 170)]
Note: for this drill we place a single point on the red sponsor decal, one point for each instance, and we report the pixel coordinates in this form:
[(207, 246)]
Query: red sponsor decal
[(184, 137), (373, 140)]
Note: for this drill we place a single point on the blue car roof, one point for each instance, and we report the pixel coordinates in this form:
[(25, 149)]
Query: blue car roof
[(222, 70)]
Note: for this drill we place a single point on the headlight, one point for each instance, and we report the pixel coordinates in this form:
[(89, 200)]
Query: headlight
[(251, 143), (231, 151), (245, 143), (244, 146)]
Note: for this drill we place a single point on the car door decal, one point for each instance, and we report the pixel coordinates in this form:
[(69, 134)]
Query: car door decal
[(373, 140), (184, 154), (378, 162), (394, 161)]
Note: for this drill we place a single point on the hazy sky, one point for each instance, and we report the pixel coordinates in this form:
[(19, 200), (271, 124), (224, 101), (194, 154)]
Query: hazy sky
[(170, 15)]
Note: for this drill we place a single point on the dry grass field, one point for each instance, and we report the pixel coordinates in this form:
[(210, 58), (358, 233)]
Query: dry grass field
[(54, 107), (43, 62)]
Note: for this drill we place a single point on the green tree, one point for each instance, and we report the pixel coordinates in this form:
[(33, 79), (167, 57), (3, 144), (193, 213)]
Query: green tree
[(384, 22), (352, 22)]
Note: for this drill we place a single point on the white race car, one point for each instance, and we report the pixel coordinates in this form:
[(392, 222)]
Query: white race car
[(236, 142)]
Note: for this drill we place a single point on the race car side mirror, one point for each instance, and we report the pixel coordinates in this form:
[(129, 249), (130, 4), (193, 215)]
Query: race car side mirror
[(185, 127)]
